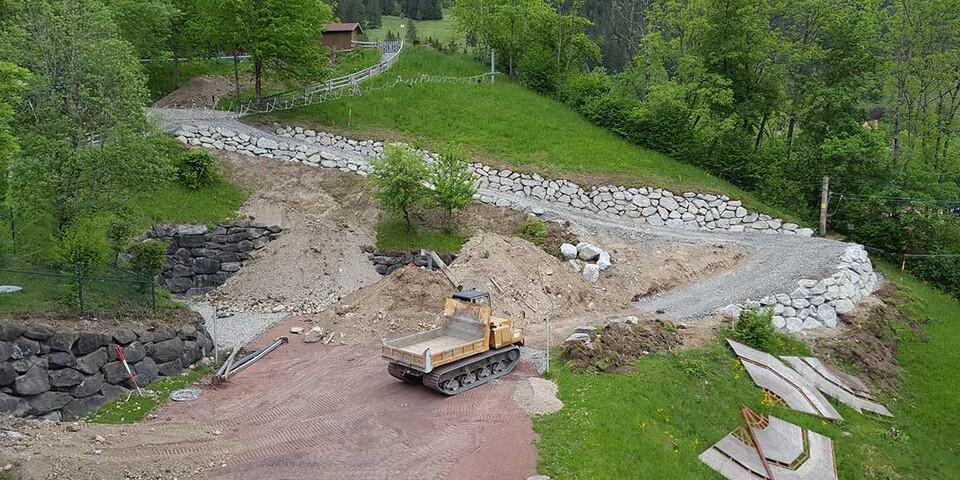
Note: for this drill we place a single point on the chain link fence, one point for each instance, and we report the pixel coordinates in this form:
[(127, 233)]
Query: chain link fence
[(109, 291)]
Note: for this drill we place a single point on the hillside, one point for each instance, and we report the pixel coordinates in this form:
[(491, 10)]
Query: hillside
[(501, 124), (443, 30)]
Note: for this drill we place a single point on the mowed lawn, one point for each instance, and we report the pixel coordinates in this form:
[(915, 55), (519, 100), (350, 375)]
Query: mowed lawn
[(656, 423), (443, 30), (502, 124)]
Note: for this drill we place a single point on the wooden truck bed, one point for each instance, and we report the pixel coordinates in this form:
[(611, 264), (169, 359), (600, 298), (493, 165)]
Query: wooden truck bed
[(462, 334)]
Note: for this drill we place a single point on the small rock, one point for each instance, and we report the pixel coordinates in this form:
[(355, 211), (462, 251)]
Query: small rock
[(591, 272), (296, 330), (569, 251)]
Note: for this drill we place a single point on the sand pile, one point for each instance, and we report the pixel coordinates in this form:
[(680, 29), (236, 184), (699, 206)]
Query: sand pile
[(537, 396), (407, 301), (202, 91), (524, 282)]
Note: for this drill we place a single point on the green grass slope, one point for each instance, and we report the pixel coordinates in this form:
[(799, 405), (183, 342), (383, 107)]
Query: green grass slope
[(656, 423), (444, 29), (502, 124)]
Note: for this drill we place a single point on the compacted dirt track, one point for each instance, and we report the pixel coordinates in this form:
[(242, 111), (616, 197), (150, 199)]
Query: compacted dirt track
[(306, 411), (311, 412)]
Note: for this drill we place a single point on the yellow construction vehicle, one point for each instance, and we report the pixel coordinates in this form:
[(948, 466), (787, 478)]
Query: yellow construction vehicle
[(470, 348)]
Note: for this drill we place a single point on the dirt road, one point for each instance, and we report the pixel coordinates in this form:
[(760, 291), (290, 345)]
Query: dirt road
[(308, 412)]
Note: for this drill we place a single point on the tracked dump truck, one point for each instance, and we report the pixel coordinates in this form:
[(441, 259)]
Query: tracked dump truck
[(470, 348)]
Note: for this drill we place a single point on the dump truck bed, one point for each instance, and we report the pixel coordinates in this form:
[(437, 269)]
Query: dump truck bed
[(461, 334)]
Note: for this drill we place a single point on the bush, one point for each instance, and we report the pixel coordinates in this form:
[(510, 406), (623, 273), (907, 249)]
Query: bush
[(83, 250), (119, 231), (534, 232), (754, 328), (196, 169), (452, 180), (400, 179), (148, 258)]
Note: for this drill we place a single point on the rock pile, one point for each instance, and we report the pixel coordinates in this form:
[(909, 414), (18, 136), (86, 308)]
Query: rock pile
[(58, 375), (388, 262), (817, 303), (598, 259), (199, 260)]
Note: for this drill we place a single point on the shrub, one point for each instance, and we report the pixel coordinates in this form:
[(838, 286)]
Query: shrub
[(83, 249), (534, 232), (148, 258), (754, 328), (196, 169), (400, 179), (453, 185), (119, 231)]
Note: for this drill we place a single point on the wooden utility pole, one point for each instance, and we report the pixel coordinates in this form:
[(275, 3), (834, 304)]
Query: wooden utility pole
[(824, 200)]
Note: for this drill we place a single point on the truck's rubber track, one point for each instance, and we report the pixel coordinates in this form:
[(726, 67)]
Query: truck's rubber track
[(458, 377)]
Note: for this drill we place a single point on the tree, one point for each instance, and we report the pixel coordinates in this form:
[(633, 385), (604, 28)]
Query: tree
[(422, 9), (281, 36), (412, 36), (352, 11), (145, 24), (400, 179), (453, 182), (86, 145), (12, 84)]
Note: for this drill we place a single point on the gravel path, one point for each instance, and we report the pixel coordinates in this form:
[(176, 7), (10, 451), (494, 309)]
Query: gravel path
[(774, 265), (237, 328)]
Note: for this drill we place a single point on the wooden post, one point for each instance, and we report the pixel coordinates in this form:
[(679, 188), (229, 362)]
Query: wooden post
[(824, 200)]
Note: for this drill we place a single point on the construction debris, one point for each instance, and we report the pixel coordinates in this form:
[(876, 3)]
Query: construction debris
[(252, 358), (771, 448), (782, 383), (845, 388)]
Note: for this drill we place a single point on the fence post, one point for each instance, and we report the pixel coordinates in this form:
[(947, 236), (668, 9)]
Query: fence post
[(493, 66), (79, 277), (824, 200), (153, 295)]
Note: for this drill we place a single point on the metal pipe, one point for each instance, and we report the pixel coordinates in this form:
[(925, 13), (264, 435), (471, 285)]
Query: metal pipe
[(250, 360)]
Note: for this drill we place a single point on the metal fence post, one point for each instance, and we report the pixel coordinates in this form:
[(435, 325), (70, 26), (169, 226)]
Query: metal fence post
[(153, 296), (79, 278)]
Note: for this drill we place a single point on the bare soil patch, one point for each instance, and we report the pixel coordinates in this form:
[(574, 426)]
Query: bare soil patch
[(202, 91), (869, 341), (619, 345), (327, 216), (525, 284)]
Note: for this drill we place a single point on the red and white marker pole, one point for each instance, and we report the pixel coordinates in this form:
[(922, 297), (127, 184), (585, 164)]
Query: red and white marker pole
[(123, 358)]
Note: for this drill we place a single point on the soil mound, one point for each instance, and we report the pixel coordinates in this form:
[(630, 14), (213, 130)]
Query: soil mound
[(408, 300), (524, 282), (620, 345), (202, 91), (537, 396)]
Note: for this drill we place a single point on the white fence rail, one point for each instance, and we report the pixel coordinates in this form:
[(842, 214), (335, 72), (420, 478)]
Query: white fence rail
[(308, 94)]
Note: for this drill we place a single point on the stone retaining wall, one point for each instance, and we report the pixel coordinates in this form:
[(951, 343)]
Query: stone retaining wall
[(387, 262), (814, 303), (199, 260), (58, 375)]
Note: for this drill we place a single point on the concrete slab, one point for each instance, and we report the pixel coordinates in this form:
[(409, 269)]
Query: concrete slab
[(736, 460), (851, 393), (770, 373)]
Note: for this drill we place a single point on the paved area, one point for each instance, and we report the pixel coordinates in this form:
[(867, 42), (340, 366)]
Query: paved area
[(314, 412)]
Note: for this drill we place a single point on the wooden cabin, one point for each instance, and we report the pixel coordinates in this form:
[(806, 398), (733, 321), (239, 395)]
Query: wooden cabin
[(340, 36)]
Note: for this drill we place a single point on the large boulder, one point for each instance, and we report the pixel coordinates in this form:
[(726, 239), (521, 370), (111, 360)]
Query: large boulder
[(24, 347), (171, 368), (78, 407), (61, 360), (48, 402), (146, 371), (11, 405), (133, 353), (569, 251), (124, 336), (38, 331), (7, 374), (115, 373), (6, 350), (88, 386), (62, 342), (591, 273), (89, 342), (64, 378), (34, 382), (165, 351), (588, 252), (603, 261), (91, 362)]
